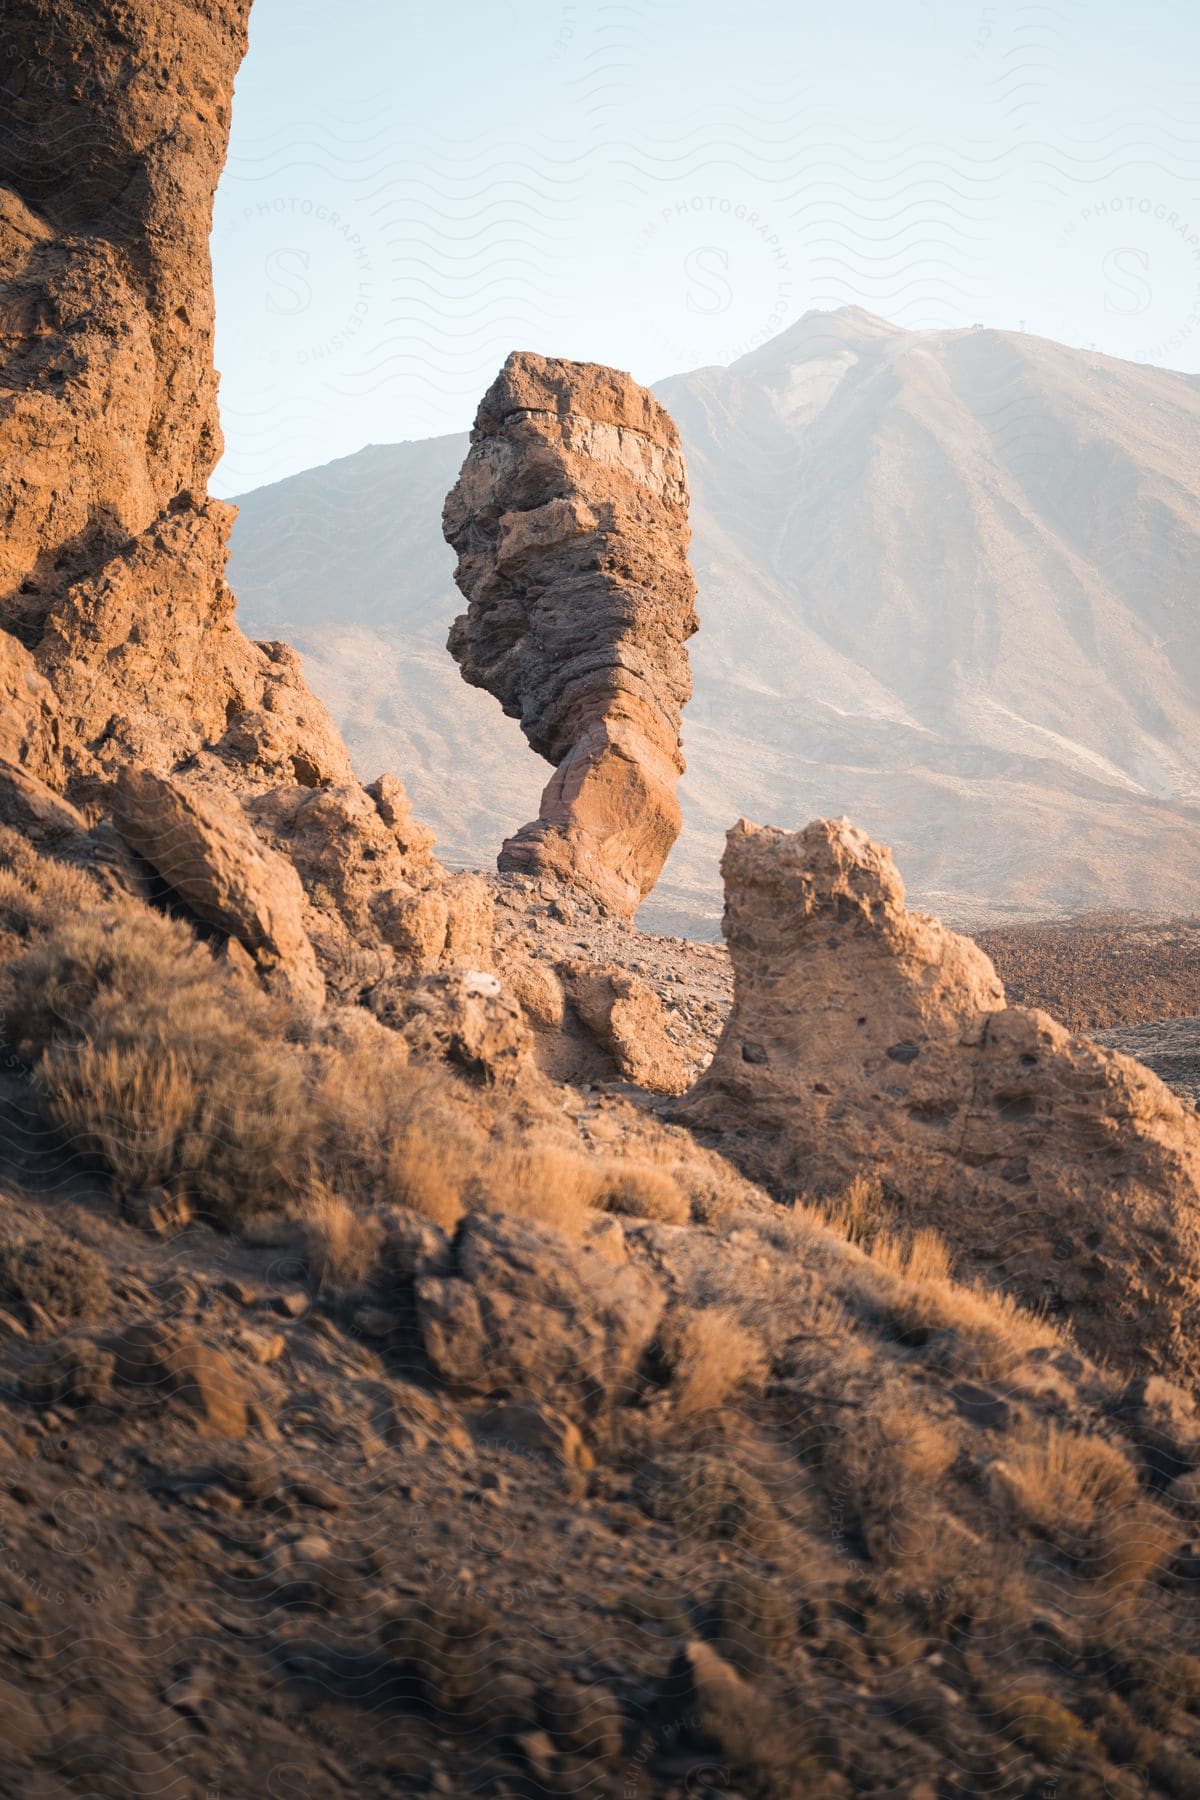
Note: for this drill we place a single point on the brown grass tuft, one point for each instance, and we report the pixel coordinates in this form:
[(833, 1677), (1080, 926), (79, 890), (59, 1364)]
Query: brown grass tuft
[(342, 1244), (1063, 1483), (639, 1190), (711, 1355)]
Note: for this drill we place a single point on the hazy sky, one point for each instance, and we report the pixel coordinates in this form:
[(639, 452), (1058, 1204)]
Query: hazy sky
[(413, 191)]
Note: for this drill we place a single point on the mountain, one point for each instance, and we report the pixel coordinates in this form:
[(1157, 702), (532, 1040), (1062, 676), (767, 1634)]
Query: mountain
[(946, 587)]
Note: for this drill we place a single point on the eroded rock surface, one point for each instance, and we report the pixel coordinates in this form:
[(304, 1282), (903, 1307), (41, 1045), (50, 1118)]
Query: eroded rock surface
[(867, 1039), (528, 1311), (570, 523), (121, 651)]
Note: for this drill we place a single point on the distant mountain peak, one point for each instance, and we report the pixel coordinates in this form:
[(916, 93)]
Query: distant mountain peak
[(821, 334)]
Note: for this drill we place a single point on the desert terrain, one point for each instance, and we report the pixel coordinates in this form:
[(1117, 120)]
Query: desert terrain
[(456, 1339)]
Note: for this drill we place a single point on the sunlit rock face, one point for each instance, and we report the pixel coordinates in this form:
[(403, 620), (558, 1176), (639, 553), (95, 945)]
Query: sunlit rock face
[(570, 523)]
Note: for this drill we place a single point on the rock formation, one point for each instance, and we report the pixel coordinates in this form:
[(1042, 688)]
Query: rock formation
[(118, 647), (570, 523), (865, 1039)]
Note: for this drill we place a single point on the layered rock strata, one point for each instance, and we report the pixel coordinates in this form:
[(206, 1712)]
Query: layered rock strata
[(569, 519), (865, 1039)]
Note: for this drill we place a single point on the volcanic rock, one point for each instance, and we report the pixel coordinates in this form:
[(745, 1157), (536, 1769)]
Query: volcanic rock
[(865, 1039), (30, 750), (529, 1312), (113, 556), (569, 518), (626, 1017), (207, 855), (462, 1016), (170, 1360)]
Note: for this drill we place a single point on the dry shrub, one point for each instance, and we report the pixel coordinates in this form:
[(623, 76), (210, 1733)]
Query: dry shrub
[(709, 1497), (1065, 1484), (715, 1192), (148, 1059), (1128, 1548), (393, 1135), (711, 1355), (987, 1333), (1044, 1725), (639, 1190), (858, 1212), (546, 1180), (342, 1245), (65, 1278), (38, 894), (923, 1257), (542, 1181), (884, 1465)]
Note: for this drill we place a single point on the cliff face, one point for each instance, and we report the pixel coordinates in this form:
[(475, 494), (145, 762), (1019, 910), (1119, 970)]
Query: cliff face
[(570, 522), (122, 645), (114, 120)]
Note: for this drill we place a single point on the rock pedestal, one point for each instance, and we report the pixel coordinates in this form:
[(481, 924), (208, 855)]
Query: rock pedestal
[(570, 523)]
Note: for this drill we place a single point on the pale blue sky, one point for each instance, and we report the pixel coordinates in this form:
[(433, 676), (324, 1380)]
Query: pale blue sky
[(413, 191)]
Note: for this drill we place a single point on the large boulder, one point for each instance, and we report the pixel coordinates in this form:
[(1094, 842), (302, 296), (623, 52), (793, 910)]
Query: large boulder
[(570, 523), (865, 1039), (531, 1314), (204, 850)]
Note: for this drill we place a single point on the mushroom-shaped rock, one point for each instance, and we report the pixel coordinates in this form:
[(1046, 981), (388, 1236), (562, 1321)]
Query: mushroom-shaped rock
[(868, 1039), (570, 523)]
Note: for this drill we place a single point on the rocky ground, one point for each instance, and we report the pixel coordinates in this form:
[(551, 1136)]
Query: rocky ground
[(1099, 973), (1171, 1047), (491, 1481), (264, 1534)]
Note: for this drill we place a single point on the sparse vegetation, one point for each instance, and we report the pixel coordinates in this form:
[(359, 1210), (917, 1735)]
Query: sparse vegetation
[(708, 1497), (711, 1356), (826, 1409), (1063, 1483)]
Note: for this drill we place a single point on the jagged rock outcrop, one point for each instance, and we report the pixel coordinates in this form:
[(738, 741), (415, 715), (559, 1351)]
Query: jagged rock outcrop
[(570, 523), (114, 120), (120, 650), (30, 750), (867, 1039)]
